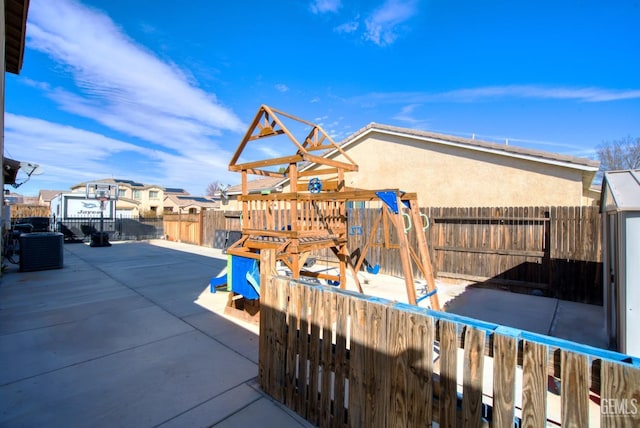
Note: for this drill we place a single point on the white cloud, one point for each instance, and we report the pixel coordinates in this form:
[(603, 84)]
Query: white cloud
[(70, 155), (384, 24), (481, 94), (324, 6), (63, 151), (348, 27), (406, 115), (123, 86), (116, 75), (281, 87), (542, 92)]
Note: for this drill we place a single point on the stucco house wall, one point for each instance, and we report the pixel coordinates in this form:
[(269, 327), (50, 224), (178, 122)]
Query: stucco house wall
[(444, 175), (449, 171)]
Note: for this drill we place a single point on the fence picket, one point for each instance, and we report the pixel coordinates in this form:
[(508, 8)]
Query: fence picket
[(383, 364), (505, 353), (474, 339), (575, 389), (448, 374), (619, 395)]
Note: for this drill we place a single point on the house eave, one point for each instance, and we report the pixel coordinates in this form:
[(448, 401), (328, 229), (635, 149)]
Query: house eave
[(469, 146)]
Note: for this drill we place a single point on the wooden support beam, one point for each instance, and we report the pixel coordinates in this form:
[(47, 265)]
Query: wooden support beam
[(327, 185), (405, 257), (425, 258), (295, 266), (321, 147), (267, 162), (342, 254), (264, 172), (245, 204), (319, 275), (246, 137), (293, 180), (284, 128), (243, 252), (266, 133), (330, 162), (317, 171)]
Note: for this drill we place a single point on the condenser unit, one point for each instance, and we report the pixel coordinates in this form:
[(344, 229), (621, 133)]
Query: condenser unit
[(41, 251)]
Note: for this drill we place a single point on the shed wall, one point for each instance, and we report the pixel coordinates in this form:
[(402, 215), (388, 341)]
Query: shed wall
[(632, 283)]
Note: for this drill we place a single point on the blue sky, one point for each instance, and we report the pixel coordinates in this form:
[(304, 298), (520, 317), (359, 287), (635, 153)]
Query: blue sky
[(162, 91)]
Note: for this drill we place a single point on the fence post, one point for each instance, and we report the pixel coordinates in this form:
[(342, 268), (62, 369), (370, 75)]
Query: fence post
[(201, 227)]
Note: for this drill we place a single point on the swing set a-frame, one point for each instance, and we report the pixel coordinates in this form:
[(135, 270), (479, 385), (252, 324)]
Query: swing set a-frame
[(313, 214)]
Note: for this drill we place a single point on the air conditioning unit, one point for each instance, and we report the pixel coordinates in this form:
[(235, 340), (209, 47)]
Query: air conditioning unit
[(41, 251)]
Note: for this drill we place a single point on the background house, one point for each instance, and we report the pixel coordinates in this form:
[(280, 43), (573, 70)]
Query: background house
[(45, 196), (134, 198), (187, 204), (449, 171), (151, 200), (229, 196), (459, 172)]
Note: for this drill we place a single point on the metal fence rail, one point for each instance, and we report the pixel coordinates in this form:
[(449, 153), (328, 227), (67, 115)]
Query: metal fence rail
[(120, 229)]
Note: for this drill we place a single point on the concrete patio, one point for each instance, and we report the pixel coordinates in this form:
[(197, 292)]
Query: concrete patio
[(129, 335), (116, 338)]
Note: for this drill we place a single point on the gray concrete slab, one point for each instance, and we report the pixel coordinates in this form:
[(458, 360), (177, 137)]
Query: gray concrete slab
[(24, 317), (117, 338), (239, 339), (141, 386), (263, 413), (531, 313), (216, 409), (32, 352), (580, 323), (152, 274), (178, 298)]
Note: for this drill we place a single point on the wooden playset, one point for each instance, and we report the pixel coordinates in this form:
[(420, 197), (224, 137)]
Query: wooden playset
[(312, 215)]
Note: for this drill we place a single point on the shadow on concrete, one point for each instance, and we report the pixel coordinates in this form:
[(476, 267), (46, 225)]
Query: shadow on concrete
[(570, 280)]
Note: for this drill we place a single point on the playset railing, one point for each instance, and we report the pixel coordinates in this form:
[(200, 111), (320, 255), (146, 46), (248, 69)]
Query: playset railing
[(293, 215)]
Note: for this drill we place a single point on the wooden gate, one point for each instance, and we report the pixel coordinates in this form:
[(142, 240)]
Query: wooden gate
[(183, 228)]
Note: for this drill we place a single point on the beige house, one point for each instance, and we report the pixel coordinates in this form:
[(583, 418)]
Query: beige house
[(45, 196), (136, 199), (187, 204), (229, 196), (139, 199), (450, 171)]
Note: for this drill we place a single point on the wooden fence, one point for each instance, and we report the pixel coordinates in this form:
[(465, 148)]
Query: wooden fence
[(555, 251), (200, 229), (24, 210), (183, 228), (341, 359)]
